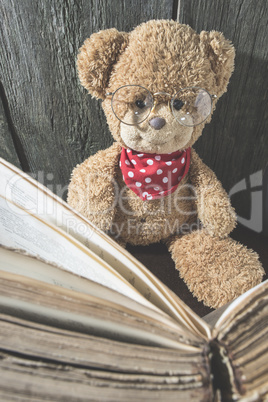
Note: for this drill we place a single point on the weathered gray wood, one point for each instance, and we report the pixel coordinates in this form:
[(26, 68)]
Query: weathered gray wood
[(58, 124), (235, 143), (7, 148)]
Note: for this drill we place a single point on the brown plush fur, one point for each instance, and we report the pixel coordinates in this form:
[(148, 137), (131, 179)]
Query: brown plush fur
[(223, 265), (164, 56)]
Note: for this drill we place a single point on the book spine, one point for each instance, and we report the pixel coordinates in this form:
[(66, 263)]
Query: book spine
[(225, 377)]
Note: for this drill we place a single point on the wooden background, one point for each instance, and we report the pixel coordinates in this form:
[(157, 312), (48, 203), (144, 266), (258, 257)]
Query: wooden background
[(48, 123)]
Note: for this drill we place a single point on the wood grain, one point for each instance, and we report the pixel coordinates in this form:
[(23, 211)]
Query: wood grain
[(58, 124), (235, 143), (7, 148)]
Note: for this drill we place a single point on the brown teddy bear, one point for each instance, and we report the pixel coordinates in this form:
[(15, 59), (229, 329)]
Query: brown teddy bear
[(159, 85)]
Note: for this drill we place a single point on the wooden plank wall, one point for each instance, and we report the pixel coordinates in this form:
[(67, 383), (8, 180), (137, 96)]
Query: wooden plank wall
[(48, 123), (235, 143), (54, 121)]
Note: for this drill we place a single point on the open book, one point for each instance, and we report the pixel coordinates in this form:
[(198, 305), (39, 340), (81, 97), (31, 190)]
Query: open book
[(82, 319)]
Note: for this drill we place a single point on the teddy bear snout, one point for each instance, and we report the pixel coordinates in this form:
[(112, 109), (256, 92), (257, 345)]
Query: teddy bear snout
[(157, 123)]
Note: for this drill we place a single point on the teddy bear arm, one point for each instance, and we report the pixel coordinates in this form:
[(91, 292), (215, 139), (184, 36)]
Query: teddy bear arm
[(213, 204), (92, 190)]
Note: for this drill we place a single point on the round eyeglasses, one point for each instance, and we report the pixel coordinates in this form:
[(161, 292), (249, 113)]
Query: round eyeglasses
[(132, 104)]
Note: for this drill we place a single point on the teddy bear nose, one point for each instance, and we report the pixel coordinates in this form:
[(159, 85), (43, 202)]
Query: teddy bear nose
[(157, 123)]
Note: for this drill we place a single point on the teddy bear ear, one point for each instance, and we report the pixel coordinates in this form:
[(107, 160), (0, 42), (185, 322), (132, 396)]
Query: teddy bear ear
[(221, 54), (96, 59)]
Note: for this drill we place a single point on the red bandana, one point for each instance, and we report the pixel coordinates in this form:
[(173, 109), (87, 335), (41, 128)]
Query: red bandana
[(153, 176)]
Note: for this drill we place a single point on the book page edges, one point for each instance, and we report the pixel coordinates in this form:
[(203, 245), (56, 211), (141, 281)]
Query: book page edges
[(85, 313), (237, 305), (174, 306), (47, 272)]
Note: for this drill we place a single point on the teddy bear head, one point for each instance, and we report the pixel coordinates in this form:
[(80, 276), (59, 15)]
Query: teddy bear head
[(159, 83)]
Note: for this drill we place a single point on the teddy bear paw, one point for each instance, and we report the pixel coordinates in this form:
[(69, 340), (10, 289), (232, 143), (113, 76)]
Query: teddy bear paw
[(216, 270)]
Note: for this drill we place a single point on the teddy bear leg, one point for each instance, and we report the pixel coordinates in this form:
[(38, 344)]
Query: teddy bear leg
[(215, 270)]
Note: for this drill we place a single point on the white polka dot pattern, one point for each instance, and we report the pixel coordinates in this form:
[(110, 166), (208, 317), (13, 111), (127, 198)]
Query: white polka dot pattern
[(153, 176)]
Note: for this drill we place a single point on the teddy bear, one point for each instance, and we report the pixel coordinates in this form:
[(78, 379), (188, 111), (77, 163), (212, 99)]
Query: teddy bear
[(159, 86)]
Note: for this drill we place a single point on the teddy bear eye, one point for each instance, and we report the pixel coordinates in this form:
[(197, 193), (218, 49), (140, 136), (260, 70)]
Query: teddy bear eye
[(178, 104), (140, 103)]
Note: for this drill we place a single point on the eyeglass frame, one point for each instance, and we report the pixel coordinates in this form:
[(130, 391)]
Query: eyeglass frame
[(212, 97)]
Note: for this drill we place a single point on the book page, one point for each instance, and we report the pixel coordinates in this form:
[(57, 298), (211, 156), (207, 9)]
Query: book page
[(42, 302), (21, 263), (34, 197), (21, 230), (71, 366), (242, 335), (236, 307)]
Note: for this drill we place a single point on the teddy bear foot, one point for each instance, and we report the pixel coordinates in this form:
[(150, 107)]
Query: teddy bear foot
[(215, 270)]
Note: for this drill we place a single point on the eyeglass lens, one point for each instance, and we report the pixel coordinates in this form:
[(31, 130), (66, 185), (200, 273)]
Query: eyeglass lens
[(191, 106), (132, 104)]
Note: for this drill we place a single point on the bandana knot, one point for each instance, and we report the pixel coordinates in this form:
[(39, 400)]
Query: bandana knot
[(152, 176)]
